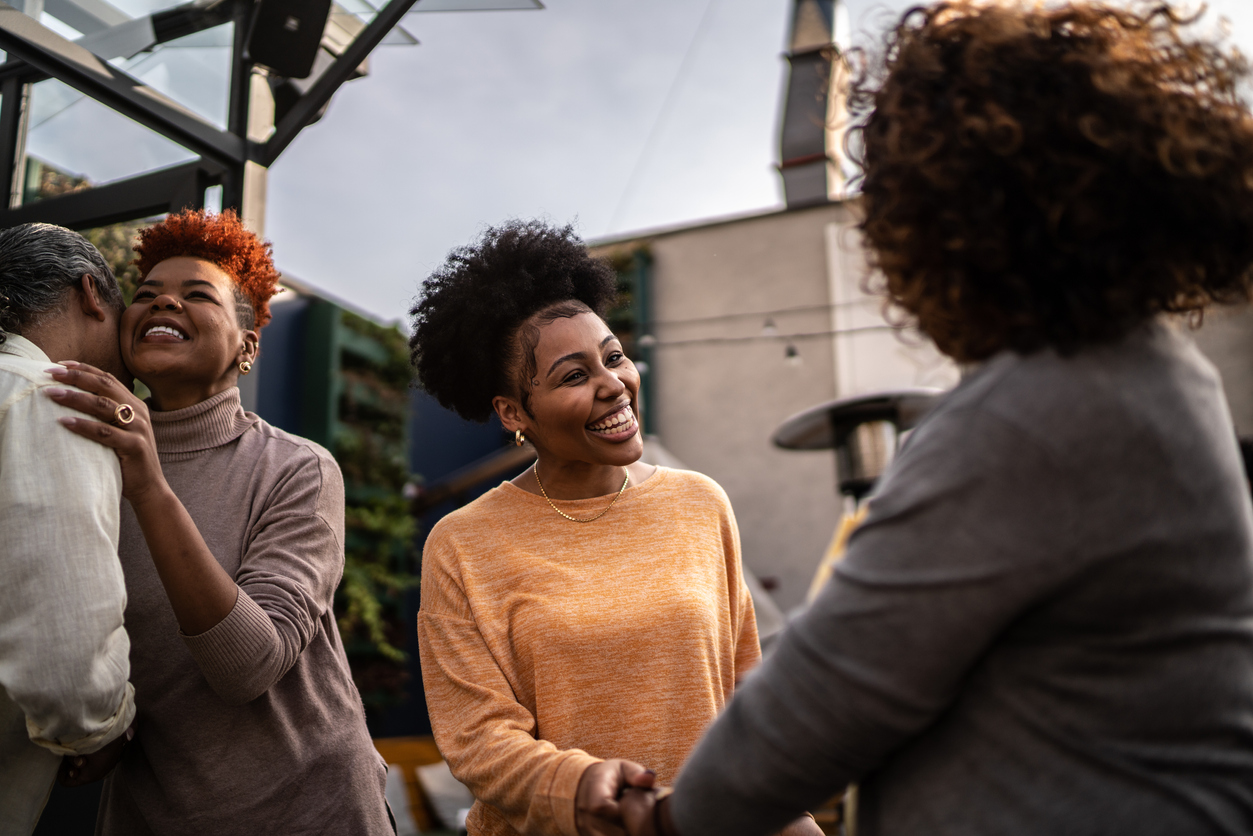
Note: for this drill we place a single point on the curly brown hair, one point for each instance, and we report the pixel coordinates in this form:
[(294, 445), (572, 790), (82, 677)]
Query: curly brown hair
[(1053, 175), (222, 239)]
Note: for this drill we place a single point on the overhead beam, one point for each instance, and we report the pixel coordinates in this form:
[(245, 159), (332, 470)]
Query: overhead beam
[(307, 107), (43, 49), (17, 68), (87, 16), (167, 190)]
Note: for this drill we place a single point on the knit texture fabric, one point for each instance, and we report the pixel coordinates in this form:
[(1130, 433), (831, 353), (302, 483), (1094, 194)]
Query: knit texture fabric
[(1043, 627), (549, 645), (253, 726)]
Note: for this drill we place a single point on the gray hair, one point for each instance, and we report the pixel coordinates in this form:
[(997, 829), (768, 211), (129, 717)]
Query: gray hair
[(39, 264)]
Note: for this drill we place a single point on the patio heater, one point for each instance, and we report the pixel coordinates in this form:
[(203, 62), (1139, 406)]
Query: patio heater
[(865, 432)]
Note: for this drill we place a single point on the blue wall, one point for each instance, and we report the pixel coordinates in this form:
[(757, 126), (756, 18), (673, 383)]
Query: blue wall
[(440, 442), (280, 365)]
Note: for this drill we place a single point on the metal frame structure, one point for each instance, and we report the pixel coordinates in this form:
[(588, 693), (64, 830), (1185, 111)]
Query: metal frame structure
[(229, 158)]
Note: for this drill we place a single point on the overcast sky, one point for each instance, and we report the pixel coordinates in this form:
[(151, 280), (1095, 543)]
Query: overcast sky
[(617, 115)]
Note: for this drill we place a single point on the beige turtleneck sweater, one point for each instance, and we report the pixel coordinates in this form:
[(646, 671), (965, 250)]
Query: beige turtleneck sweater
[(254, 726)]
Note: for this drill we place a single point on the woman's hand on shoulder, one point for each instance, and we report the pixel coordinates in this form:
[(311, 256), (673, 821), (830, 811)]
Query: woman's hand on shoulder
[(122, 424), (597, 812)]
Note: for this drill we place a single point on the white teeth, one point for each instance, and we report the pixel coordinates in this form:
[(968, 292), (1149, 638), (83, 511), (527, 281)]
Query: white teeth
[(164, 330), (618, 420)]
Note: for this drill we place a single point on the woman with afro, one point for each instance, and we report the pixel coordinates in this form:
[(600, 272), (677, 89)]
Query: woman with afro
[(594, 607), (232, 546), (1045, 624)]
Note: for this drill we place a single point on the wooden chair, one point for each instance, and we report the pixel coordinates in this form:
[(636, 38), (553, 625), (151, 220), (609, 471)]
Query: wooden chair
[(409, 753)]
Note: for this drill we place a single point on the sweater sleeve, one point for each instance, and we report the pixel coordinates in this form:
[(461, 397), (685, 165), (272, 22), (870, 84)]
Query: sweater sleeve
[(486, 736), (971, 527), (287, 577), (744, 617)]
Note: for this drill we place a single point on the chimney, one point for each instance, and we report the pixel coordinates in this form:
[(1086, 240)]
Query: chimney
[(810, 146)]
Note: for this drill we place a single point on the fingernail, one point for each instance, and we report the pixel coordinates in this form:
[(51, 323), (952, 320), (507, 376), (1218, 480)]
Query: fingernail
[(56, 370), (67, 422), (54, 392), (79, 761), (651, 772), (72, 773), (69, 362)]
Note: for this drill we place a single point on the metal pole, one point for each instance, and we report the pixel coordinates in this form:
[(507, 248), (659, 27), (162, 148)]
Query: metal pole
[(14, 98)]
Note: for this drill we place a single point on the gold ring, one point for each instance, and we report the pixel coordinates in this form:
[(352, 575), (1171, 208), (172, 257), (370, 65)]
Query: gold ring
[(123, 415)]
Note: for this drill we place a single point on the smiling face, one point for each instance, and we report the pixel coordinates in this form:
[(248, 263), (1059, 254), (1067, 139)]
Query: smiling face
[(584, 395), (180, 335)]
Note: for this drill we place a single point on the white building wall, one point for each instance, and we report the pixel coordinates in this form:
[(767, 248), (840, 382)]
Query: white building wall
[(1226, 338), (722, 386), (871, 355)]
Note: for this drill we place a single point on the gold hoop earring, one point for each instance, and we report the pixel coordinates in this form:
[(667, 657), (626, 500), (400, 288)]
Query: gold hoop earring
[(245, 366), (518, 438)]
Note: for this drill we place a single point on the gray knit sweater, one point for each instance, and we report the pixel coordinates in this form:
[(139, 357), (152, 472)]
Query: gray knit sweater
[(1045, 625), (254, 726)]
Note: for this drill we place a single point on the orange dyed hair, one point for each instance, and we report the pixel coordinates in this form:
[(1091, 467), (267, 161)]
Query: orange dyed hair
[(219, 238)]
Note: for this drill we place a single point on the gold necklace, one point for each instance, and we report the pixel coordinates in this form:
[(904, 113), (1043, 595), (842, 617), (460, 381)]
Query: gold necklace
[(535, 470)]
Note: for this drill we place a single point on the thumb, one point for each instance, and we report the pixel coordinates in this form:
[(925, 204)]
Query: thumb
[(637, 776)]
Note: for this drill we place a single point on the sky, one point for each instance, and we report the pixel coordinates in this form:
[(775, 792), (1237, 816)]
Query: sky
[(614, 115)]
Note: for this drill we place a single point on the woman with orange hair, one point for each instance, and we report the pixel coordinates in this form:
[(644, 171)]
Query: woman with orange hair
[(232, 545)]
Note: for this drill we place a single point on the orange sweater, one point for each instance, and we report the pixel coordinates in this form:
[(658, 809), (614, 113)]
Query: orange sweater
[(548, 645)]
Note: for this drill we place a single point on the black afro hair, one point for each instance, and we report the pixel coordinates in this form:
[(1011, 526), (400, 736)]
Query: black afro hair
[(466, 319)]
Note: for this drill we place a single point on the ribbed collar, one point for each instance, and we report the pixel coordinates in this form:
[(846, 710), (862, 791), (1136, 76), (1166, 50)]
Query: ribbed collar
[(211, 423)]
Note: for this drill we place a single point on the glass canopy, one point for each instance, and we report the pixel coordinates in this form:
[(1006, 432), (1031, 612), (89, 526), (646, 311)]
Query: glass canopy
[(75, 142), (115, 28)]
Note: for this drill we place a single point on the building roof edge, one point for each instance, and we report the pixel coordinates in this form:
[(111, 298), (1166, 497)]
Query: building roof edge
[(673, 229)]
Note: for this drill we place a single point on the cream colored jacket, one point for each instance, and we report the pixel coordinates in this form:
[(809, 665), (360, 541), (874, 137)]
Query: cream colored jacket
[(63, 651)]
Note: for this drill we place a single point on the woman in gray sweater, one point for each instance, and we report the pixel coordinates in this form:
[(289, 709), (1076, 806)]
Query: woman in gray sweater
[(1045, 625), (232, 545)]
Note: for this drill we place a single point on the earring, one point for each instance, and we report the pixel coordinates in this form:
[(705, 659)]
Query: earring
[(518, 438), (245, 366)]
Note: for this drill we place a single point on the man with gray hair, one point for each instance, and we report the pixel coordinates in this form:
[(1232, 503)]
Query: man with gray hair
[(63, 651)]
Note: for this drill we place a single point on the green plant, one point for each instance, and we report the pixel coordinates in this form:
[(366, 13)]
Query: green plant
[(115, 242), (371, 447), (621, 318)]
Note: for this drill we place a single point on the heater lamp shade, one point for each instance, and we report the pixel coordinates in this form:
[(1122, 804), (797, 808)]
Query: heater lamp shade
[(818, 427)]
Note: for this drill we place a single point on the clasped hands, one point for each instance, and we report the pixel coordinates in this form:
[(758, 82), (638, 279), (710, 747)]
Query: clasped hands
[(616, 798), (620, 798)]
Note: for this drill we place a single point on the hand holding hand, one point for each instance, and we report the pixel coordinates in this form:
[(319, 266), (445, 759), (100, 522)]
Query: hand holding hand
[(127, 428), (648, 814), (77, 770), (640, 813), (602, 784)]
